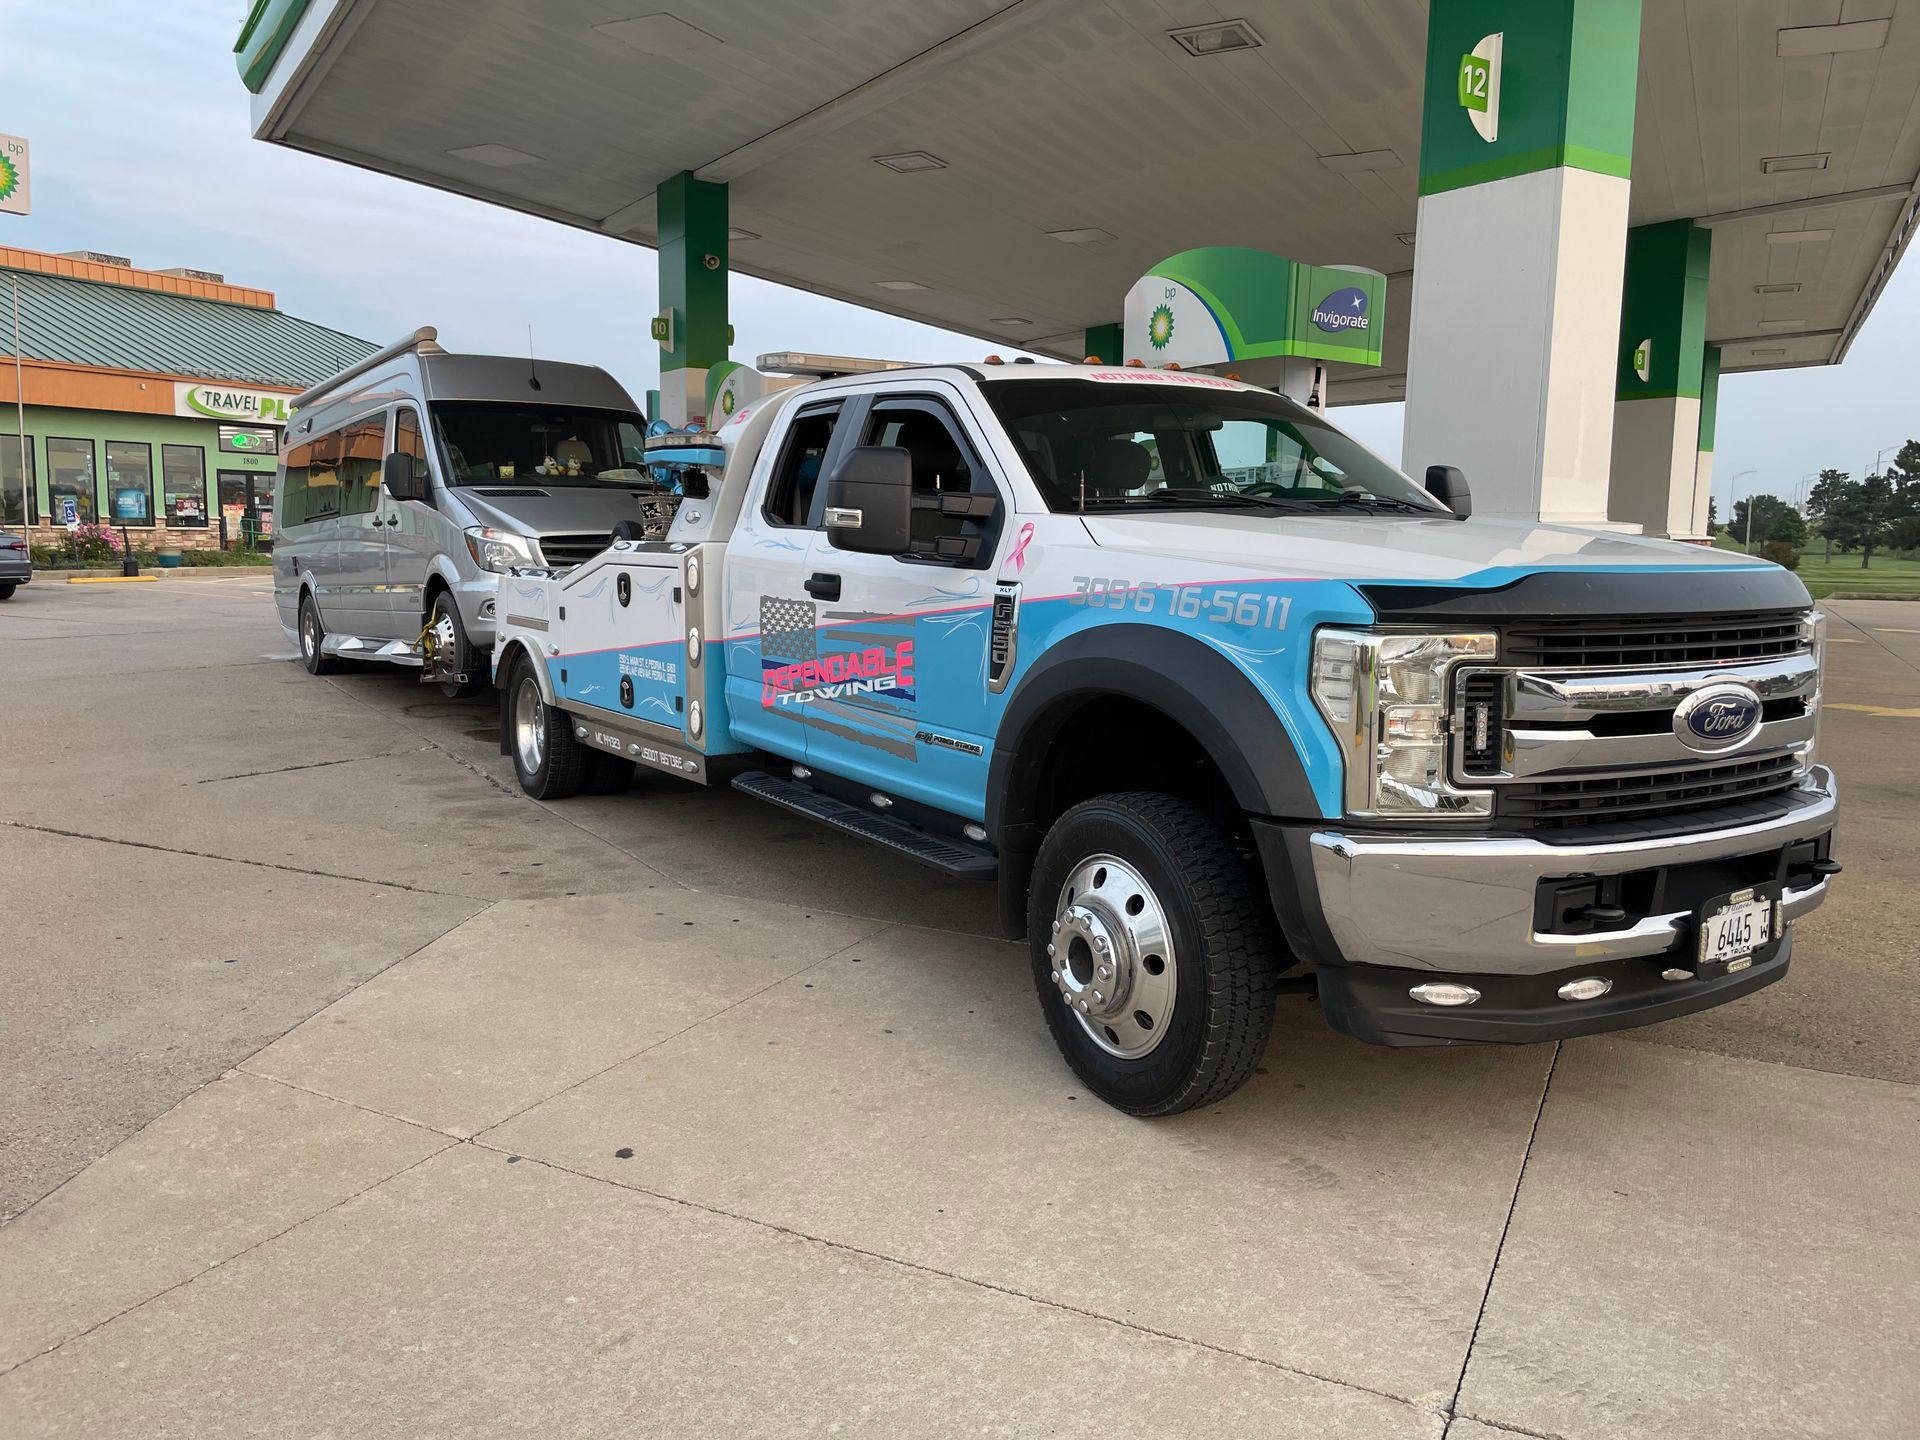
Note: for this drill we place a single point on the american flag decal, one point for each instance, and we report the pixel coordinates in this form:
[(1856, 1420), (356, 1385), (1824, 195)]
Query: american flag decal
[(786, 629)]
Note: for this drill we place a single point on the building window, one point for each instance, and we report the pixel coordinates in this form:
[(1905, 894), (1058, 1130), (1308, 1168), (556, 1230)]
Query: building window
[(129, 482), (70, 481), (10, 484), (184, 470)]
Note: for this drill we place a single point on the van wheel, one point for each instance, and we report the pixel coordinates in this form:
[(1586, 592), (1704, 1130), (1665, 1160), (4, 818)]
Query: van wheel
[(1154, 960), (450, 638), (549, 762), (313, 637)]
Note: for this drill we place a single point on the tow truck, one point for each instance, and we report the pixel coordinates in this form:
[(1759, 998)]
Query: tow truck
[(1223, 703)]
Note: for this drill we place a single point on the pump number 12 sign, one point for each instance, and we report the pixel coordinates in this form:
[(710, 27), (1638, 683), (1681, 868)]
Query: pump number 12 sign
[(1480, 86), (16, 194)]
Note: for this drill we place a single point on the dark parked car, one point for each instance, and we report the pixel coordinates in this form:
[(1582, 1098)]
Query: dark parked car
[(15, 568)]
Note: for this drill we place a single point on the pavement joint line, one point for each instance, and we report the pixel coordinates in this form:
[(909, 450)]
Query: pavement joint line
[(481, 900), (309, 765), (317, 1010), (1870, 639), (1504, 1426), (1493, 1270), (365, 1109), (1645, 1036), (218, 1264), (693, 1025), (914, 1265)]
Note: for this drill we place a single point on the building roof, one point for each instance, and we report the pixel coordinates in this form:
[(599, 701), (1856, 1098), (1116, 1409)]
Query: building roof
[(70, 314)]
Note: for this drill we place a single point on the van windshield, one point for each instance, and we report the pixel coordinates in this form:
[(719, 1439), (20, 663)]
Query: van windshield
[(1143, 443), (485, 442)]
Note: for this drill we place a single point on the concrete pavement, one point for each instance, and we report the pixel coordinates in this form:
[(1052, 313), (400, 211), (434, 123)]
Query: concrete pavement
[(364, 1096)]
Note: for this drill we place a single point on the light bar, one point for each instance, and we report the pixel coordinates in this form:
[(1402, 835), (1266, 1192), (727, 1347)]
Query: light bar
[(796, 362)]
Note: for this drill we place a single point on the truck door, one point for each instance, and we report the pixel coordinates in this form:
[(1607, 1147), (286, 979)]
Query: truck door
[(774, 603), (907, 707)]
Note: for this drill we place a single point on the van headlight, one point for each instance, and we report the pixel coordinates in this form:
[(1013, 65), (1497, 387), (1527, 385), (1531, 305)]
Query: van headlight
[(1384, 695), (498, 550)]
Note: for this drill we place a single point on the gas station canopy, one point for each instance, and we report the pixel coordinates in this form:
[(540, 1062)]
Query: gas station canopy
[(1009, 170)]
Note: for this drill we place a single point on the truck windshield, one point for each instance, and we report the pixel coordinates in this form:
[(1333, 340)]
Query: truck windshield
[(484, 442), (1102, 444)]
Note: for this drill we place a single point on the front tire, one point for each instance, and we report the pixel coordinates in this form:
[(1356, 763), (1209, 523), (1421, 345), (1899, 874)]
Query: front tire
[(1154, 960), (550, 763), (313, 639), (444, 621)]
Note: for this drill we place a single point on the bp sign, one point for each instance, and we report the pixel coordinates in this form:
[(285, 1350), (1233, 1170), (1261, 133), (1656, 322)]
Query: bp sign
[(1228, 306)]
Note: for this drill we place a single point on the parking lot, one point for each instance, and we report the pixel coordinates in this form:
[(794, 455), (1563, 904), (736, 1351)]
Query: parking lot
[(352, 1093)]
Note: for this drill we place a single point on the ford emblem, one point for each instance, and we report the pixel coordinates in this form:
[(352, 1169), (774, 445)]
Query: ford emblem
[(1718, 717)]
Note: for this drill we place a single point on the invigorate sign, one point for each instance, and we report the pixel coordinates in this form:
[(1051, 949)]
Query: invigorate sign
[(210, 401)]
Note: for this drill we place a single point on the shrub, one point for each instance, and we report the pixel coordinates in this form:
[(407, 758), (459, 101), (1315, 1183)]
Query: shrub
[(203, 559), (1782, 554), (91, 544)]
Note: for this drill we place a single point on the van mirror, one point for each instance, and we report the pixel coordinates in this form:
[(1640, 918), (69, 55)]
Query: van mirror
[(1447, 485), (870, 501), (400, 480)]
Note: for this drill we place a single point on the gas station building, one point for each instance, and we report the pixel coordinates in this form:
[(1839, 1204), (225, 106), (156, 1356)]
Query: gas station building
[(1566, 220)]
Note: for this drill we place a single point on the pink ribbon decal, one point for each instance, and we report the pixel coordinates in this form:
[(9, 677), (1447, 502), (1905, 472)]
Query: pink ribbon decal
[(1018, 556)]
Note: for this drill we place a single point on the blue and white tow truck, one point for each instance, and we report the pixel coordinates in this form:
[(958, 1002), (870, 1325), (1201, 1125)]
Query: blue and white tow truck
[(1224, 704)]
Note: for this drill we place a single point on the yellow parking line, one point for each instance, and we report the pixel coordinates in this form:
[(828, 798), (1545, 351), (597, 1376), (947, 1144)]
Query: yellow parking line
[(1893, 630), (111, 579), (1844, 640), (1885, 712)]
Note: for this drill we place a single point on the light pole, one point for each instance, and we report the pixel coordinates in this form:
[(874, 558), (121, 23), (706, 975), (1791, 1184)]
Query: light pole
[(20, 412), (1733, 491)]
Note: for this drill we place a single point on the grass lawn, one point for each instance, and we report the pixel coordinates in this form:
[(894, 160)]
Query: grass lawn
[(1887, 575)]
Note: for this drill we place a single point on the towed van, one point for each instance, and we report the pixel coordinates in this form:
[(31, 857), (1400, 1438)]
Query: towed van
[(411, 481)]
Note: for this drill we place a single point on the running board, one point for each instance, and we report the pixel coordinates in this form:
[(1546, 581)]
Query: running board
[(940, 852)]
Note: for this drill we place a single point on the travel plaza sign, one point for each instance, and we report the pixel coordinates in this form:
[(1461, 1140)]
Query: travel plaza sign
[(209, 401), (1228, 305)]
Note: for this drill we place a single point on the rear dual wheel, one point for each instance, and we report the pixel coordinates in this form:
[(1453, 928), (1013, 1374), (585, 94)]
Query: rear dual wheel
[(1154, 959)]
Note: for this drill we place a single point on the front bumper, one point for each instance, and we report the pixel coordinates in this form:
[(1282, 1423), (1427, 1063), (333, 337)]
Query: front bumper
[(1376, 914)]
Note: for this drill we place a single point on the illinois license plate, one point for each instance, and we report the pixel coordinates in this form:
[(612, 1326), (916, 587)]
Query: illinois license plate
[(1731, 933)]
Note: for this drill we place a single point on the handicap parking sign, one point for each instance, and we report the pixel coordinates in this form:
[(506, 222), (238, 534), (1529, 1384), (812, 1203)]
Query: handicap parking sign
[(69, 511)]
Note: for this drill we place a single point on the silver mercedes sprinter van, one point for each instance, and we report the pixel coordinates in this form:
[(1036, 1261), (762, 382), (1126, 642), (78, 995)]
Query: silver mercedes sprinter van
[(410, 481)]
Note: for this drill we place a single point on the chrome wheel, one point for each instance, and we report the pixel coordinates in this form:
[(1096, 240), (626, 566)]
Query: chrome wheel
[(529, 727), (442, 635), (309, 631), (1111, 956)]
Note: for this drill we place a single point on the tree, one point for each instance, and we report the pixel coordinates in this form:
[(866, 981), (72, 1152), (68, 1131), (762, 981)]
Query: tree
[(1864, 516), (1786, 524), (1713, 513), (1767, 511), (1820, 501)]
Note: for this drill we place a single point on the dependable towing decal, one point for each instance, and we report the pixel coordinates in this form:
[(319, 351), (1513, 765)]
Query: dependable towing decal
[(839, 676)]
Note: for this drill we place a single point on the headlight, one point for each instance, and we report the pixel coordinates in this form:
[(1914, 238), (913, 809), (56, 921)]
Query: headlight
[(1384, 695), (498, 550)]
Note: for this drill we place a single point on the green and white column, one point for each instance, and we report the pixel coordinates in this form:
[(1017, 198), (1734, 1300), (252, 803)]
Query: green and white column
[(692, 325), (1703, 458), (1661, 368), (1525, 151)]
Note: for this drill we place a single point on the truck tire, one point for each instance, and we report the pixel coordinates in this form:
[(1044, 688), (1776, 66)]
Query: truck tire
[(313, 636), (550, 763), (1153, 958), (468, 660)]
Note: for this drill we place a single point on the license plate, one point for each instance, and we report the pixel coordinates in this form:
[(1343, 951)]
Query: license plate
[(1730, 934)]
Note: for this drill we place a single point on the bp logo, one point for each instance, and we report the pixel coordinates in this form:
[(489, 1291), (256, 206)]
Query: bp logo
[(1160, 327), (9, 178), (1342, 310), (726, 400)]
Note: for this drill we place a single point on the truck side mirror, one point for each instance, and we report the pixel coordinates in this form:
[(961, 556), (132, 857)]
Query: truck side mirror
[(1447, 485), (870, 501), (398, 479)]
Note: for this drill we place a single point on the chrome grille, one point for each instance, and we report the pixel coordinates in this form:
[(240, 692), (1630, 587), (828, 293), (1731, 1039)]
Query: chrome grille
[(1651, 641), (1667, 792), (1482, 709), (575, 548)]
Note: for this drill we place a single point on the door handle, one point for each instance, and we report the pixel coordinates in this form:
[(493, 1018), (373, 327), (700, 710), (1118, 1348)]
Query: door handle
[(823, 587)]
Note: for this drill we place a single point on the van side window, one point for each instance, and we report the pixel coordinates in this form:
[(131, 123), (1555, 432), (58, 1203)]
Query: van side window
[(363, 446), (408, 440), (944, 464), (797, 474), (295, 505), (320, 475)]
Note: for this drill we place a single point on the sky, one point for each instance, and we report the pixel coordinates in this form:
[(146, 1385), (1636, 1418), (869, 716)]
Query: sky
[(142, 147)]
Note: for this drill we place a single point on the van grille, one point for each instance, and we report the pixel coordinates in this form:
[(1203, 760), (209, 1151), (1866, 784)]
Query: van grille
[(1658, 641), (576, 548), (1666, 792)]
